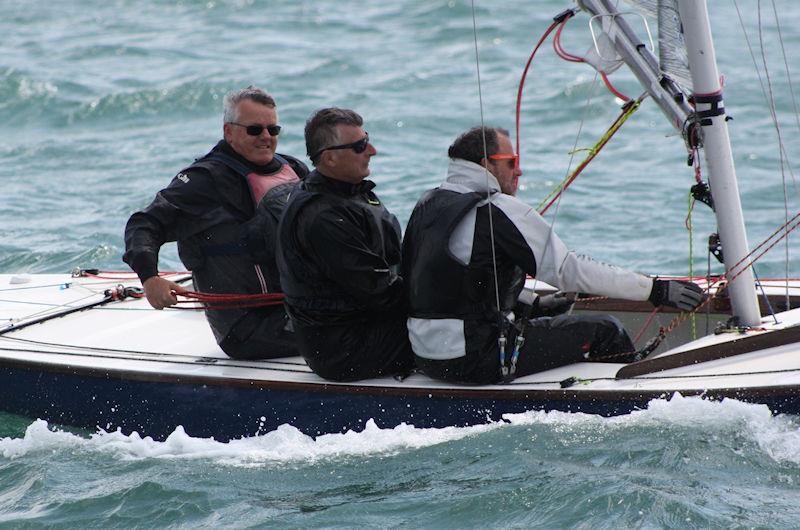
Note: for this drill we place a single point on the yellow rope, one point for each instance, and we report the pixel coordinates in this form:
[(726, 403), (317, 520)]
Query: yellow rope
[(633, 107)]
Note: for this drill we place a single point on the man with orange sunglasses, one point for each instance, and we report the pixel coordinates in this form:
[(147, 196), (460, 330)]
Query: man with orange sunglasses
[(466, 251)]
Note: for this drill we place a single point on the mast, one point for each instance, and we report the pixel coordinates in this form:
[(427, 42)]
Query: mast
[(719, 159), (717, 147)]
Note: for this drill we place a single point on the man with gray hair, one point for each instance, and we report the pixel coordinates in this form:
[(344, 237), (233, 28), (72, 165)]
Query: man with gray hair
[(223, 211), (338, 256)]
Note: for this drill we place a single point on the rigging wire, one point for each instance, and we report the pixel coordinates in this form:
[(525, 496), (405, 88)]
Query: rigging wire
[(722, 282), (560, 19), (769, 97), (689, 229), (770, 103), (630, 106), (551, 231), (781, 151), (502, 338), (786, 229), (797, 120), (50, 307), (786, 65)]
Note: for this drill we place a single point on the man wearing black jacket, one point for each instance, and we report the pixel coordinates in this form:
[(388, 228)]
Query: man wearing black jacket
[(338, 256), (471, 231), (223, 211)]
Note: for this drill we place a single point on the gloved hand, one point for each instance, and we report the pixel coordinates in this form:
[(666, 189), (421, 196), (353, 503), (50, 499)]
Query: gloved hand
[(551, 305), (676, 293)]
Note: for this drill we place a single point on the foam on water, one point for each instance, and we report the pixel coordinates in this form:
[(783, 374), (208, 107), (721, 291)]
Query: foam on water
[(778, 437), (286, 444)]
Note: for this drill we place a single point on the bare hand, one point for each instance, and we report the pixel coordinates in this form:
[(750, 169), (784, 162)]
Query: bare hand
[(161, 293)]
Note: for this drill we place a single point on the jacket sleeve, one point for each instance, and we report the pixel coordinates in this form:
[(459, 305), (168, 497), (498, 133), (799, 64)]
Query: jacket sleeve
[(337, 241), (541, 253), (190, 193)]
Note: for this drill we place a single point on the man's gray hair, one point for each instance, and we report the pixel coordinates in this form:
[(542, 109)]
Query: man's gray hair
[(321, 129), (230, 104), (469, 145)]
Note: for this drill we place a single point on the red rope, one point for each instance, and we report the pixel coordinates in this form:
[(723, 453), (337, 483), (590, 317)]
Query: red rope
[(611, 88), (230, 301), (525, 74), (567, 57), (560, 50), (646, 325)]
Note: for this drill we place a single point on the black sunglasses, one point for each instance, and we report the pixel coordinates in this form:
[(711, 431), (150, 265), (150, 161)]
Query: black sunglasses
[(255, 130), (358, 147)]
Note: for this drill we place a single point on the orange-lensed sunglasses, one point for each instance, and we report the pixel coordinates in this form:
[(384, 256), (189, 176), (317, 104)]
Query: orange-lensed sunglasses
[(514, 157)]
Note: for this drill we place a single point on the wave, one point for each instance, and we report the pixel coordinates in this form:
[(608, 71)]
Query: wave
[(284, 445), (729, 422), (33, 102)]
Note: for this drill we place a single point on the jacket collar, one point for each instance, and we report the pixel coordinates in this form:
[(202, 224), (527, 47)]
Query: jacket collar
[(272, 167), (463, 176), (315, 179)]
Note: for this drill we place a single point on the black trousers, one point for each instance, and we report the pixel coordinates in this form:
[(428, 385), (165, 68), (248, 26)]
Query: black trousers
[(550, 342), (357, 351), (260, 334)]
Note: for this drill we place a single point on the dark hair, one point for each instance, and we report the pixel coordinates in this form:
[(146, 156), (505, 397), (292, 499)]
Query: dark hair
[(469, 145), (321, 128), (230, 103)]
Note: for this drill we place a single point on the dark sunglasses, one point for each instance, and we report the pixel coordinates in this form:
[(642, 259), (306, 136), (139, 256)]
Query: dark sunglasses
[(358, 147), (255, 130)]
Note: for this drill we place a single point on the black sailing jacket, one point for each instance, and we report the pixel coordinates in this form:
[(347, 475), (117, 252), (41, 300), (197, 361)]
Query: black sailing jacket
[(222, 237)]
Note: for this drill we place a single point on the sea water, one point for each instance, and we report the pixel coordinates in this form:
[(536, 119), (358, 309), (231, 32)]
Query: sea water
[(102, 102)]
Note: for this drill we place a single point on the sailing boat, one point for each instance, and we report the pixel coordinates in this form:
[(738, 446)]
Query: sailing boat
[(67, 364)]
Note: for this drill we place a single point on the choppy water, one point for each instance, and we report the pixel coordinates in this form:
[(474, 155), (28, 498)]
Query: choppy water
[(102, 102), (670, 466)]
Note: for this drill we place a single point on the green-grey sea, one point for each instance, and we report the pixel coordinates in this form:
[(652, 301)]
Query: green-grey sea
[(102, 102)]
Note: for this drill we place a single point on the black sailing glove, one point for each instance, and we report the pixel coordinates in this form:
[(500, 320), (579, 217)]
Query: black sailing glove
[(550, 305), (555, 304), (676, 293)]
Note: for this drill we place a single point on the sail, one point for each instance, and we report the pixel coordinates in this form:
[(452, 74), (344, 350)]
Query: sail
[(672, 58)]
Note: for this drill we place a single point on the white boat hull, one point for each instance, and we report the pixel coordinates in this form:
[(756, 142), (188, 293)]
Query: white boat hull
[(122, 365)]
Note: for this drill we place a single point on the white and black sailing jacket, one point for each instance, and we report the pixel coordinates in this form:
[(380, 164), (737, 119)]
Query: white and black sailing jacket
[(447, 264)]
